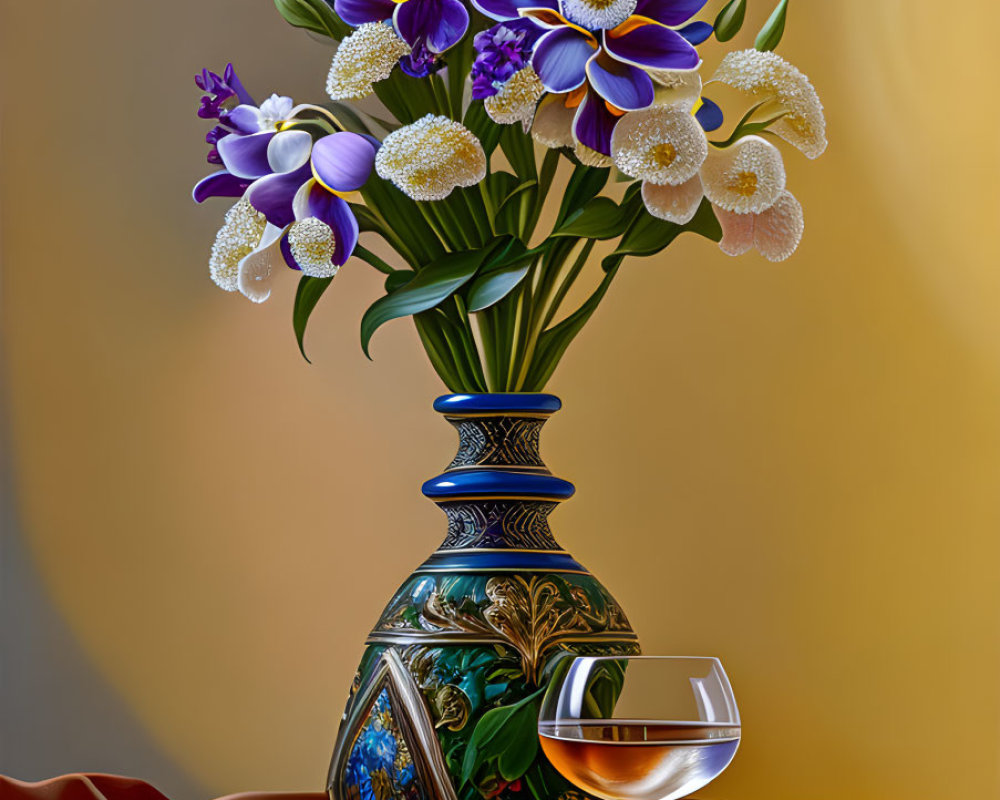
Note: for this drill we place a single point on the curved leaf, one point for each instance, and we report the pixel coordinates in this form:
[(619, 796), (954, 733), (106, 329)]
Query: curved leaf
[(520, 743), (770, 35), (313, 15), (730, 20), (601, 218), (398, 279), (650, 235), (494, 286), (307, 295), (745, 127), (583, 185), (431, 285)]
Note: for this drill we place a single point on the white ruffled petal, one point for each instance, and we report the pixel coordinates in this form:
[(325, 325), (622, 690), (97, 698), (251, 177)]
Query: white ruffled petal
[(660, 144), (429, 158), (737, 231), (677, 204), (778, 231), (768, 76), (239, 235), (746, 178), (256, 270), (553, 125)]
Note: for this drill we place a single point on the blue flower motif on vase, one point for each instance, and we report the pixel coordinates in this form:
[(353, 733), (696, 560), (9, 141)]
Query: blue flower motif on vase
[(380, 766)]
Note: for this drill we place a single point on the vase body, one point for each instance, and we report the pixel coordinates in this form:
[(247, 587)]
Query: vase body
[(474, 628)]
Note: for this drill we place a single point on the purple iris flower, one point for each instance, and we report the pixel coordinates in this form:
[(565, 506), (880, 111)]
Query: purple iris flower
[(502, 50), (429, 26), (609, 50), (340, 164)]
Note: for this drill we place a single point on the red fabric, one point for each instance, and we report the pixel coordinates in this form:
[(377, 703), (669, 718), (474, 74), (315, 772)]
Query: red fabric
[(115, 787)]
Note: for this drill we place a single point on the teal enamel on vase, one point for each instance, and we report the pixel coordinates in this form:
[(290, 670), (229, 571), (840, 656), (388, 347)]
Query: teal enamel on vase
[(444, 705)]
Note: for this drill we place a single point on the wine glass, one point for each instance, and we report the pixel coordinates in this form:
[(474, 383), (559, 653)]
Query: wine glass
[(639, 727)]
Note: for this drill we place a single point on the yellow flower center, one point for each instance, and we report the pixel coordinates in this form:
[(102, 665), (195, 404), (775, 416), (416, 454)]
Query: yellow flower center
[(743, 183), (664, 154)]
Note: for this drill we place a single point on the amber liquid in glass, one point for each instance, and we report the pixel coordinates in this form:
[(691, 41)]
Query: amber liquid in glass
[(628, 760)]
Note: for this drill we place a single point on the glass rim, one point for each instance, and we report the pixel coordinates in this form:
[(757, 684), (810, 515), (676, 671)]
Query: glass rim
[(649, 658)]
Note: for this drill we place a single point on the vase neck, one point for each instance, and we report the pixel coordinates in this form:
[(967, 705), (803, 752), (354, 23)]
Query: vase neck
[(497, 492)]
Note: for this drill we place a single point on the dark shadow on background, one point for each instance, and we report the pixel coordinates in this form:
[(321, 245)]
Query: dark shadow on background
[(57, 714)]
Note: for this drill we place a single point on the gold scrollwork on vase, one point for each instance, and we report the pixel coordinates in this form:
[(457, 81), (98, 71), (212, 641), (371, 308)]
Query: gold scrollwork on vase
[(533, 614)]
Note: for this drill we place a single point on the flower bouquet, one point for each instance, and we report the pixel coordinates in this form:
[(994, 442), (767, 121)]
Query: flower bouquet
[(465, 113)]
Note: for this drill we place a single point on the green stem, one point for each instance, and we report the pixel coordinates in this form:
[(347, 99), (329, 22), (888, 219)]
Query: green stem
[(568, 281)]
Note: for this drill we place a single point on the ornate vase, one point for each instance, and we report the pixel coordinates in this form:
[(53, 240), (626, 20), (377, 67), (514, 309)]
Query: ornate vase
[(444, 703)]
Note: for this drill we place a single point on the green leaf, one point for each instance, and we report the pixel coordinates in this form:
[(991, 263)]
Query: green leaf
[(485, 129), (553, 342), (307, 295), (493, 286), (313, 15), (601, 218), (516, 191), (432, 284), (519, 148), (520, 743), (649, 235), (488, 731), (583, 185), (398, 279), (730, 20), (747, 128), (770, 35), (369, 257)]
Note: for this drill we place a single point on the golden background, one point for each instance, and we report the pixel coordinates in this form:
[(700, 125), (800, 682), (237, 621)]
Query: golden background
[(793, 466)]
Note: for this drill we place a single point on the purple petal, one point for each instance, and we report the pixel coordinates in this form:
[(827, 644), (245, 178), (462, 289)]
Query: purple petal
[(594, 124), (451, 25), (336, 213), (696, 32), (624, 86), (245, 118), (560, 59), (246, 156), (272, 195), (438, 23), (510, 9), (343, 161), (358, 12), (652, 46), (219, 184), (669, 12), (237, 85)]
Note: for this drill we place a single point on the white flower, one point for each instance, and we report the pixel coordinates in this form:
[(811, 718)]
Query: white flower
[(775, 233), (746, 178), (660, 144), (312, 243), (553, 125), (430, 157), (516, 99), (768, 76), (677, 204), (239, 235), (365, 57)]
